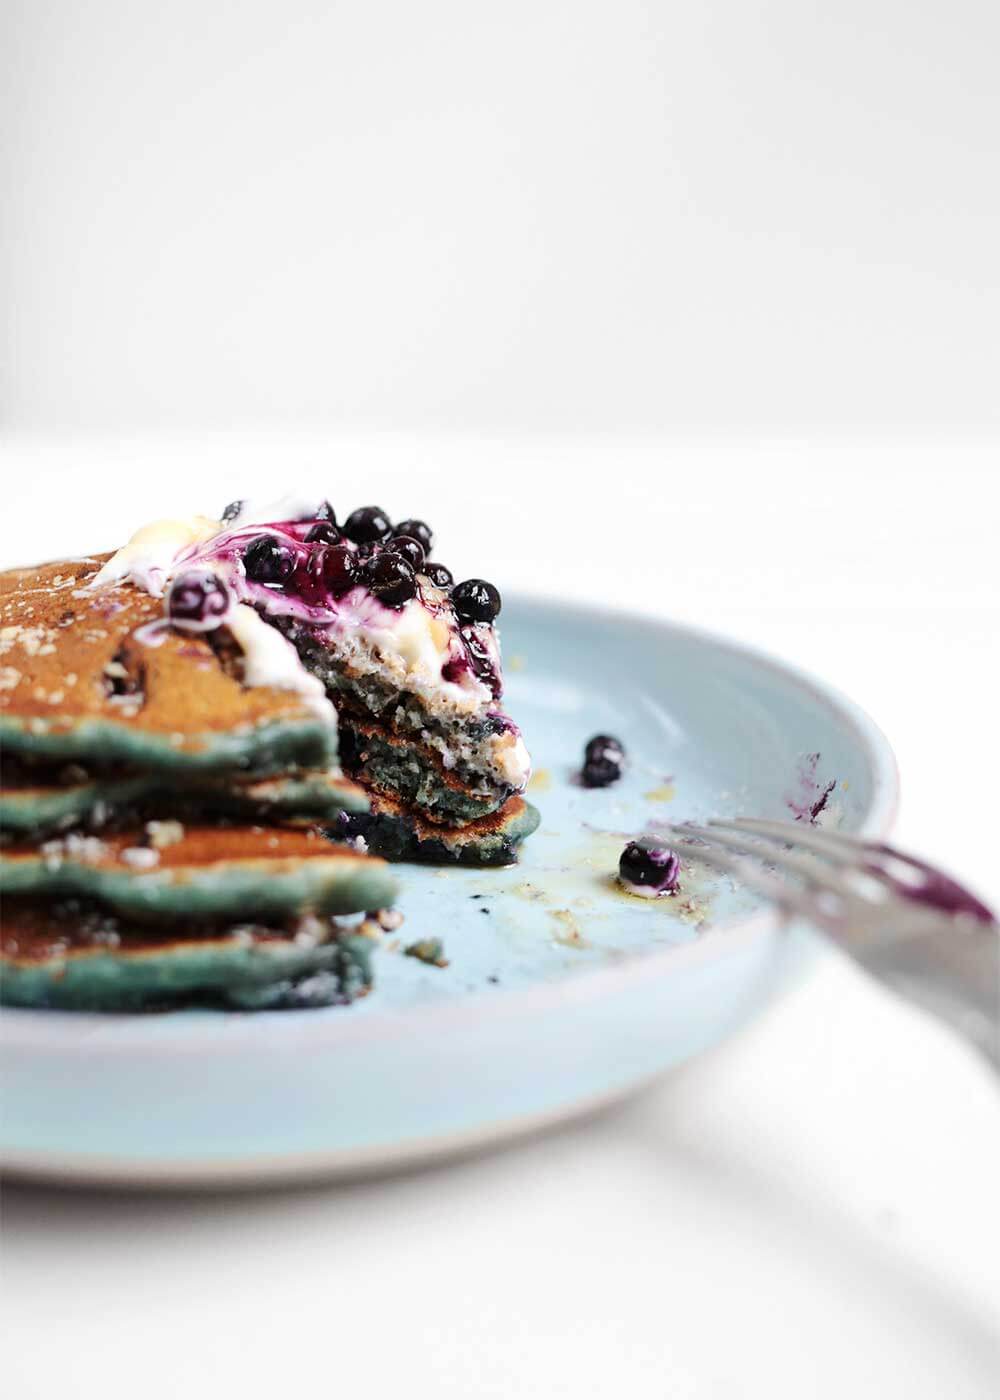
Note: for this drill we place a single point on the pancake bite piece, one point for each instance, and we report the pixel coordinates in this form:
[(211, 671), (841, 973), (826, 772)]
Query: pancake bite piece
[(409, 658)]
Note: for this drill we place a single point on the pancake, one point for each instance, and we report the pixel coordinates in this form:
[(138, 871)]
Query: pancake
[(409, 658), (394, 832), (413, 774), (451, 766), (79, 957), (208, 873), (29, 809), (77, 684)]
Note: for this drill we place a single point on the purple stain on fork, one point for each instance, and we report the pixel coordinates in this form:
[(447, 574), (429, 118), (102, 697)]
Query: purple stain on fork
[(931, 887)]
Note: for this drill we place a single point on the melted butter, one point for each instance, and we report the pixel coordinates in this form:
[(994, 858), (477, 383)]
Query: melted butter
[(148, 558)]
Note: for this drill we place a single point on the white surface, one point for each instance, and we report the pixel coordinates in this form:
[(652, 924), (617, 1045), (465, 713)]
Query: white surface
[(809, 1211), (541, 214)]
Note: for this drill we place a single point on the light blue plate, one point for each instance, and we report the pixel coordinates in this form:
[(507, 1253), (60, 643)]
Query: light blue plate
[(560, 993)]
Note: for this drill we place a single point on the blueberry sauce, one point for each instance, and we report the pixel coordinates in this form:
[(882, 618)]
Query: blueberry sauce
[(812, 798), (648, 871), (481, 662)]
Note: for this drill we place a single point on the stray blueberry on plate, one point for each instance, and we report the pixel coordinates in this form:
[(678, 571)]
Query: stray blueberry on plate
[(323, 532), (411, 549), (232, 511), (438, 575), (604, 746), (198, 600), (599, 773), (476, 600), (653, 869), (368, 525), (603, 760), (391, 577), (417, 530), (267, 560)]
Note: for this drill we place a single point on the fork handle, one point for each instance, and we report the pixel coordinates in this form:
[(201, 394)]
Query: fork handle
[(951, 970)]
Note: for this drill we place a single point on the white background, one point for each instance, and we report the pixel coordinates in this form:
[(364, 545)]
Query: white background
[(690, 309), (618, 214)]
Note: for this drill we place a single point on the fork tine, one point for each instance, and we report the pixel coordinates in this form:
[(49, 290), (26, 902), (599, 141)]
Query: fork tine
[(836, 847), (749, 873), (876, 861), (806, 867)]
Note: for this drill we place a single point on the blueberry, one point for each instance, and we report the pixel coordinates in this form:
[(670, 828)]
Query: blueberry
[(325, 512), (604, 746), (438, 575), (391, 578), (603, 760), (339, 569), (369, 525), (198, 600), (232, 511), (476, 600), (411, 549), (417, 530), (323, 533), (267, 560), (649, 867), (600, 772)]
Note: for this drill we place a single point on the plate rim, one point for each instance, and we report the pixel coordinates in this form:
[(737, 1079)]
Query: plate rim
[(37, 1030)]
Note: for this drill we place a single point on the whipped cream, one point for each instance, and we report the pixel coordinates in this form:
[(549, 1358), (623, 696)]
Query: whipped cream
[(269, 659)]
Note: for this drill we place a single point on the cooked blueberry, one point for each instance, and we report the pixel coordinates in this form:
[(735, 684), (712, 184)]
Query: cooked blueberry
[(438, 575), (411, 549), (391, 577), (604, 746), (600, 772), (232, 511), (340, 569), (324, 533), (267, 560), (198, 600), (369, 525), (476, 600), (325, 512), (654, 868), (417, 530), (602, 761)]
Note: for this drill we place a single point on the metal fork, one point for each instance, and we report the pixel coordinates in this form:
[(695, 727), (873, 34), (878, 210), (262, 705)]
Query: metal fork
[(910, 926)]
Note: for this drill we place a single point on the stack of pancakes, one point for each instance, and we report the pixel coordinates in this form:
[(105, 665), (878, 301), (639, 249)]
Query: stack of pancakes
[(149, 809)]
